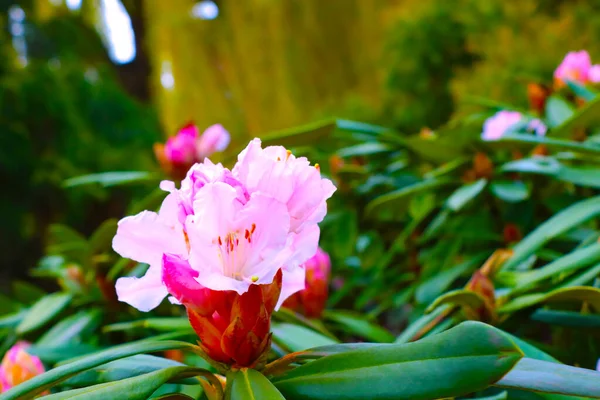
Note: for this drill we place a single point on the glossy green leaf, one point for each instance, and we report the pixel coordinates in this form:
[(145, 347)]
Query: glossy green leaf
[(358, 325), (581, 91), (101, 239), (549, 377), (398, 199), (121, 369), (461, 360), (136, 388), (297, 338), (576, 294), (161, 324), (558, 111), (71, 329), (248, 384), (510, 191), (584, 117), (471, 301), (561, 222), (465, 194), (527, 142), (425, 320), (54, 376), (108, 179), (566, 318), (364, 149), (44, 310), (429, 290)]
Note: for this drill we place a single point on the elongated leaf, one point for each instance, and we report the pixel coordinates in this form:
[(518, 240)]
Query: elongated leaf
[(582, 118), (121, 369), (575, 294), (565, 220), (136, 388), (248, 384), (364, 149), (161, 324), (101, 239), (577, 259), (510, 191), (358, 325), (581, 91), (566, 318), (558, 111), (301, 135), (50, 378), (297, 338), (44, 310), (399, 198), (465, 194), (422, 322), (548, 377), (461, 360), (526, 141), (107, 179), (70, 329)]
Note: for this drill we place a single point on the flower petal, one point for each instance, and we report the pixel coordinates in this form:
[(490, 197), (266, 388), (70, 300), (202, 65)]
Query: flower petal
[(144, 293)]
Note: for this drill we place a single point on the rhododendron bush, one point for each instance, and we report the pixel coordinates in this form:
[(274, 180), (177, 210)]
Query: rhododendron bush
[(336, 260)]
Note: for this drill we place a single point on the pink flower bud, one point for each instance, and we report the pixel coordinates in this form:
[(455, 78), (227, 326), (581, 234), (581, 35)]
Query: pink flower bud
[(18, 366), (575, 67), (311, 301)]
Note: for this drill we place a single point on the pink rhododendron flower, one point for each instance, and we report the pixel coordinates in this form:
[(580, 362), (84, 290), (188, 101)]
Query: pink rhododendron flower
[(577, 67), (497, 125), (311, 300), (225, 234), (594, 74), (180, 152), (18, 366)]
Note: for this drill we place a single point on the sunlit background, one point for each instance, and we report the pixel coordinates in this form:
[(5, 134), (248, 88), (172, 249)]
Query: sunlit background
[(90, 85)]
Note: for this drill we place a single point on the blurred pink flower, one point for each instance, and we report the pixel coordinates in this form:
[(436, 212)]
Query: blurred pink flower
[(312, 299), (497, 125), (594, 75), (181, 151), (577, 67), (18, 366)]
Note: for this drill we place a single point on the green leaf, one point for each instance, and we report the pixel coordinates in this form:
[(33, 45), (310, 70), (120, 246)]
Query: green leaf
[(565, 220), (121, 369), (101, 239), (42, 382), (297, 338), (576, 294), (358, 325), (425, 320), (26, 292), (399, 199), (44, 310), (566, 318), (364, 149), (465, 194), (558, 111), (13, 319), (581, 91), (161, 324), (549, 377), (510, 191), (248, 384), (71, 329), (471, 301), (433, 287), (136, 388), (582, 118), (301, 135), (461, 360), (570, 262), (527, 142), (107, 179)]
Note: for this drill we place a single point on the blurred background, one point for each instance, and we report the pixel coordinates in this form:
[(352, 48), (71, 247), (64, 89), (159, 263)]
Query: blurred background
[(90, 85)]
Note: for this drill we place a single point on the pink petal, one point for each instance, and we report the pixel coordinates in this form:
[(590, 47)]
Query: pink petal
[(215, 138), (144, 293), (294, 280), (178, 277)]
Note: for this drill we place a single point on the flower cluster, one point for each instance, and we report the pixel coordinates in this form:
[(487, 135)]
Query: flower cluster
[(576, 66), (311, 301), (188, 147), (229, 245), (18, 366), (503, 121)]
